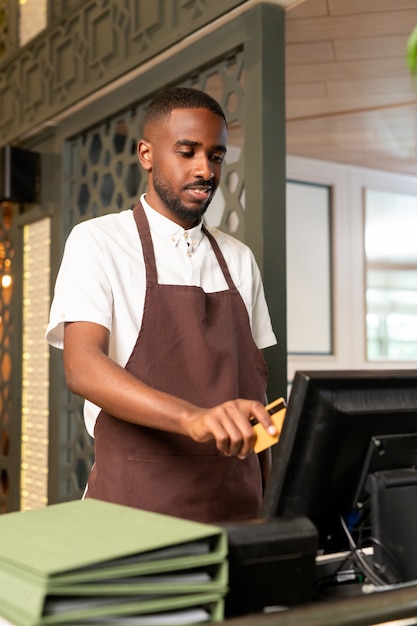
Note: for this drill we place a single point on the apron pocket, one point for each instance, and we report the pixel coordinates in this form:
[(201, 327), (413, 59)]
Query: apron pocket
[(202, 488)]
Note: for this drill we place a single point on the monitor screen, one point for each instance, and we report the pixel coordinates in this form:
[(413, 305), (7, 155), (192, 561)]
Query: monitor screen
[(334, 419)]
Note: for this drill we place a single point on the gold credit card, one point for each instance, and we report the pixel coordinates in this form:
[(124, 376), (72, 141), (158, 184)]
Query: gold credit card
[(277, 410)]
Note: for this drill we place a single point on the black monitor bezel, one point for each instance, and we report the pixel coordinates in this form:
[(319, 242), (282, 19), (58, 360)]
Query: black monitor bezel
[(301, 479)]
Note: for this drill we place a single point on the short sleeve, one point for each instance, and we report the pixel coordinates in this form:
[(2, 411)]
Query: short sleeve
[(262, 331), (82, 289)]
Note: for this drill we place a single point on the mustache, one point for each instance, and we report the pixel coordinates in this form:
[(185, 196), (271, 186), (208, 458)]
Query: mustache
[(198, 184)]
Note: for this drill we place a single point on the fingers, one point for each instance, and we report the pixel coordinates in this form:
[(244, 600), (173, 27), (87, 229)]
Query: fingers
[(232, 430), (228, 424), (264, 418)]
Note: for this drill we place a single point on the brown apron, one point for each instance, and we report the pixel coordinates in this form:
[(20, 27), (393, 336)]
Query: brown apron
[(197, 346)]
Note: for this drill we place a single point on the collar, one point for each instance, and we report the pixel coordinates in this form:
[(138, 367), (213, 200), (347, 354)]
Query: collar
[(169, 230)]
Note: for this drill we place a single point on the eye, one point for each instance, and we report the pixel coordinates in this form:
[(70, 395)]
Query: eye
[(217, 158), (187, 154)]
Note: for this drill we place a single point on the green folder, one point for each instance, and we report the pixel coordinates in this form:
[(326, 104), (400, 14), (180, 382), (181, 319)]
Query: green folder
[(89, 559), (93, 611)]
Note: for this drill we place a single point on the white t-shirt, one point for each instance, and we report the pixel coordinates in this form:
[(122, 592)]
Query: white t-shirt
[(102, 279)]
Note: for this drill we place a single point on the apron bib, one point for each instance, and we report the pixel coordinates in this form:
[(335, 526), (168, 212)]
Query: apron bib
[(197, 346)]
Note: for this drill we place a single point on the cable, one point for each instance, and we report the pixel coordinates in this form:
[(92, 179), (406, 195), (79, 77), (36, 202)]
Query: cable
[(392, 573), (371, 588), (358, 556)]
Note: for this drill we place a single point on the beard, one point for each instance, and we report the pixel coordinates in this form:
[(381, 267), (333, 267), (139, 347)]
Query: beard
[(172, 201)]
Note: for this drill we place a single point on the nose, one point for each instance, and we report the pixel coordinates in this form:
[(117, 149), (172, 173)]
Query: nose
[(203, 168)]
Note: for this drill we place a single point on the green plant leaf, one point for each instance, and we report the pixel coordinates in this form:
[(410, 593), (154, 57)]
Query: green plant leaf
[(412, 51)]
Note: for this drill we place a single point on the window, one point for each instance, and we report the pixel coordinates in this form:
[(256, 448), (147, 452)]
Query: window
[(309, 292), (391, 275)]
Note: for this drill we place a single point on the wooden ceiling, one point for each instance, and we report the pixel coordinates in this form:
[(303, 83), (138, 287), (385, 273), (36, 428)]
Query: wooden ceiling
[(349, 94)]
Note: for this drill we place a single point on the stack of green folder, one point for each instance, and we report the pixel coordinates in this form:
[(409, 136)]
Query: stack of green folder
[(92, 562)]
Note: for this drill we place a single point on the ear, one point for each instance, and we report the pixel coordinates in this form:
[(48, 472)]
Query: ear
[(144, 151)]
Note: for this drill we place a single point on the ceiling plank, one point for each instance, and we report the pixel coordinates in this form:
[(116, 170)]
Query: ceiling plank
[(370, 47), (340, 7), (314, 108), (311, 52), (310, 8), (354, 26), (343, 71)]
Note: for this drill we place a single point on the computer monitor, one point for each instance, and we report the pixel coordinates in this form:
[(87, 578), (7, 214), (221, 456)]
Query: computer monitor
[(321, 463)]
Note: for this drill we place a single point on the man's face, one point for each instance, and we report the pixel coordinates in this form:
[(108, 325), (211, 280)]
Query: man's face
[(185, 158)]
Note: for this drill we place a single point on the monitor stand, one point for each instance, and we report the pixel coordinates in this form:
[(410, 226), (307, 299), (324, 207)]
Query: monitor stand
[(393, 509)]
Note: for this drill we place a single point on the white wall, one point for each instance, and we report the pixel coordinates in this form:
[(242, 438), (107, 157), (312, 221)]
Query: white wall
[(347, 185)]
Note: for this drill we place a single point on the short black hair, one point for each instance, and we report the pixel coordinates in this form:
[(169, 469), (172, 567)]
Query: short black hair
[(162, 105)]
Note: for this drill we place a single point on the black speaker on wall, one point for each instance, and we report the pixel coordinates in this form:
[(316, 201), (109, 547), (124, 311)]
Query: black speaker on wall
[(19, 175)]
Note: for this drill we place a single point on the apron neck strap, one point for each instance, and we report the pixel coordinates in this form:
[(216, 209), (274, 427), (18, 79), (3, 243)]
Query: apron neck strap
[(147, 246), (220, 258)]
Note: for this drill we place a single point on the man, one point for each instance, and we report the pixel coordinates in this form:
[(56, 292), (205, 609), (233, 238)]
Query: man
[(159, 318)]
